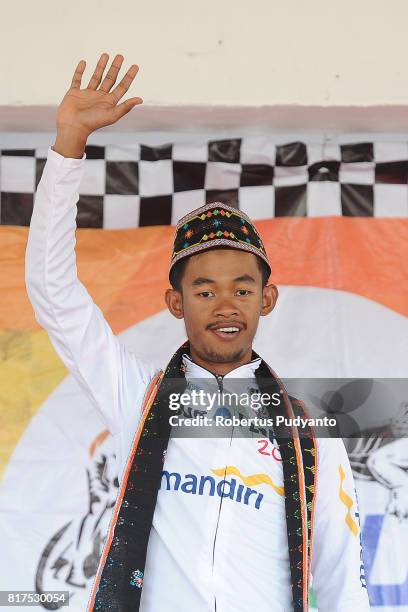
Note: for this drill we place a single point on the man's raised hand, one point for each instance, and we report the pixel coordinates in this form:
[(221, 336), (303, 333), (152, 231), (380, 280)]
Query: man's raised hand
[(82, 111)]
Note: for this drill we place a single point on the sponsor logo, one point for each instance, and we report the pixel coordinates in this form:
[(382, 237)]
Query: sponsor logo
[(240, 492)]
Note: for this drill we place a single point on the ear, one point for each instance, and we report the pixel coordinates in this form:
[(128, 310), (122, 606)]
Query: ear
[(174, 301), (269, 297)]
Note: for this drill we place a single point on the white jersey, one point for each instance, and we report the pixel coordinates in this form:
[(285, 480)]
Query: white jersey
[(218, 540)]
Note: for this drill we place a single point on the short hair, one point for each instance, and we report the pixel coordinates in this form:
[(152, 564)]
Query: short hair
[(177, 271)]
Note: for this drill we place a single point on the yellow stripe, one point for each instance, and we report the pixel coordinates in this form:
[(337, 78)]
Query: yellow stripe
[(348, 502), (253, 480)]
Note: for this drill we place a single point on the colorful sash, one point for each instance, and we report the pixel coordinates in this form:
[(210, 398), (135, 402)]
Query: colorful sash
[(119, 580)]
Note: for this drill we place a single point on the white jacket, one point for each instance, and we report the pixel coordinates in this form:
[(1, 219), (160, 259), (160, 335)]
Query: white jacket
[(206, 551)]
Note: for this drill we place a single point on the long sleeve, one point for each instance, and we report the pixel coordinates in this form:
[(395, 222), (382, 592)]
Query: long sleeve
[(111, 376), (337, 566)]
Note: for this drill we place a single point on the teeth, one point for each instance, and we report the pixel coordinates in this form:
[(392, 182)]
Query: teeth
[(228, 329)]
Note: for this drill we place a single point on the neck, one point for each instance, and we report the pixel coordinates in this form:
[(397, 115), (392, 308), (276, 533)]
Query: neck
[(220, 368)]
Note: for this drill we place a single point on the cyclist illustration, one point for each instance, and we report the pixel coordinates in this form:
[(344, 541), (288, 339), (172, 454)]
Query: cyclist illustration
[(382, 456), (70, 558)]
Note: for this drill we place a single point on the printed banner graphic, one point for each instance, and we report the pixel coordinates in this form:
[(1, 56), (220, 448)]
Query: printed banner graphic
[(334, 224)]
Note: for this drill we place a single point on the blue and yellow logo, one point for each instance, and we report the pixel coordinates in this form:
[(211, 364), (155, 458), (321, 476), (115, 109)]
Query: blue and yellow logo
[(231, 488)]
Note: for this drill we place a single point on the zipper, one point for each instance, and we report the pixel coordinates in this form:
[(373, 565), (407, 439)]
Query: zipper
[(220, 380)]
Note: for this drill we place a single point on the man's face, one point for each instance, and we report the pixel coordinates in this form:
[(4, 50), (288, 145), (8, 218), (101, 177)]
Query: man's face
[(221, 302)]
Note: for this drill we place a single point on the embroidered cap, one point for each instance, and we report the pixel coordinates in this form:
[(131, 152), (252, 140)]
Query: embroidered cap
[(215, 225)]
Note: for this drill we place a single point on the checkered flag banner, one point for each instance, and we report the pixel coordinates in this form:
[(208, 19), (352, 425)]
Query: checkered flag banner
[(138, 185)]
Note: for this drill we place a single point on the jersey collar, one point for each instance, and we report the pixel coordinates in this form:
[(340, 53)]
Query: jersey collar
[(193, 370)]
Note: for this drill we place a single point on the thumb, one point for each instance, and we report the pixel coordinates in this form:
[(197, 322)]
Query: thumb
[(122, 109)]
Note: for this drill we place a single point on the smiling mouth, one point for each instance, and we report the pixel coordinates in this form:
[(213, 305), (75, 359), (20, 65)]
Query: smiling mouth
[(228, 332)]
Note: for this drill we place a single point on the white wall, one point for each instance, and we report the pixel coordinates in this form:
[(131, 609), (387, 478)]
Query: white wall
[(229, 52)]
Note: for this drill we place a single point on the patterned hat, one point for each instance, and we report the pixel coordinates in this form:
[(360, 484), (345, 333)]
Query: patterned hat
[(214, 225)]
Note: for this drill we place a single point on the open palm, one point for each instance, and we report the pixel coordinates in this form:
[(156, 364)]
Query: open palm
[(96, 106)]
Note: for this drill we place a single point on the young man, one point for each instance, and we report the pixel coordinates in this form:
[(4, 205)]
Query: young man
[(200, 524)]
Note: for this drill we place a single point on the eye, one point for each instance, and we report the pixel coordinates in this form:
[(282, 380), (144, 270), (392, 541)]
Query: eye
[(242, 292), (205, 294)]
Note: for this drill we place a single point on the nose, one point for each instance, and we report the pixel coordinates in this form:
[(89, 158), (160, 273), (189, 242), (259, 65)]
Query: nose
[(225, 307)]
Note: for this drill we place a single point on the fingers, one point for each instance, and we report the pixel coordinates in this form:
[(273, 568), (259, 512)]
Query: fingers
[(79, 71), (110, 79), (98, 72), (125, 83), (122, 109)]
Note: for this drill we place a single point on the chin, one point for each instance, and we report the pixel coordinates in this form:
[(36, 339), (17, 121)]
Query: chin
[(223, 355)]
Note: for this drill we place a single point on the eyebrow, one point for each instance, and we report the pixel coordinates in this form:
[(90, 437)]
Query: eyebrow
[(201, 280), (245, 278)]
